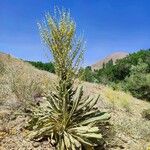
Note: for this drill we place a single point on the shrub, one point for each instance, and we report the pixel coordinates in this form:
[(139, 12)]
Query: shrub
[(138, 83), (146, 114), (126, 105), (25, 86), (43, 66), (69, 120), (139, 86), (88, 75)]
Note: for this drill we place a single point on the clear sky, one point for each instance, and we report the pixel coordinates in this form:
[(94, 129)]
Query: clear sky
[(108, 26)]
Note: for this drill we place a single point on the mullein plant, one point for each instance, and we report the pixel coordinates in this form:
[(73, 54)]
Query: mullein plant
[(70, 120)]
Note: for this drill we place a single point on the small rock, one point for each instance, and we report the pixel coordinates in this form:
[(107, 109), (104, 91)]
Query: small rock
[(36, 144)]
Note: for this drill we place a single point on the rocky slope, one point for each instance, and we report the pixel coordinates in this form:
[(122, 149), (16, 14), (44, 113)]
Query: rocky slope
[(20, 82)]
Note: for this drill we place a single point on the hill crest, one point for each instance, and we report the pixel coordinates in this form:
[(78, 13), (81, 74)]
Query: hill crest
[(114, 57)]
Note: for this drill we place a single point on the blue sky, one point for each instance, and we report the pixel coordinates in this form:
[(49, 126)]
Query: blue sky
[(108, 26)]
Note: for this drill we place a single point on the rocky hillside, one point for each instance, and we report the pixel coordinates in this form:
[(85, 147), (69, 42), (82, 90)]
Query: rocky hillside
[(21, 83), (115, 56)]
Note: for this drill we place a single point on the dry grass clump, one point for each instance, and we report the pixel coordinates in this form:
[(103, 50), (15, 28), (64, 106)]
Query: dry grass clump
[(4, 91), (118, 98), (25, 87), (21, 83), (2, 68)]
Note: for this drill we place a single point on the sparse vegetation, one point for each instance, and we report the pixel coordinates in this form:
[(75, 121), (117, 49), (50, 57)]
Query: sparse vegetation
[(25, 89), (2, 69), (123, 122)]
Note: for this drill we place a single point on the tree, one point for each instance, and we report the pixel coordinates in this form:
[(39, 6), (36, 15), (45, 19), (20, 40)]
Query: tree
[(43, 66), (87, 74), (70, 121), (122, 68), (109, 63), (138, 83)]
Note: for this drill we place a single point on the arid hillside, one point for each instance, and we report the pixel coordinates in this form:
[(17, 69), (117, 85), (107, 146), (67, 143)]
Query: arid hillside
[(21, 84), (115, 56)]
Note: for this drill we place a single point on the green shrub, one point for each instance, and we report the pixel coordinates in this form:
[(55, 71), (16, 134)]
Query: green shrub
[(139, 86), (43, 66), (70, 121), (88, 75), (138, 83), (146, 114)]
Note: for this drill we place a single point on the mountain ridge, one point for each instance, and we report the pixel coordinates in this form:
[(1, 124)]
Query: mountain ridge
[(114, 57)]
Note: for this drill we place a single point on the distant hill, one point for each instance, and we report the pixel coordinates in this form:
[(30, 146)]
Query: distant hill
[(115, 56)]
